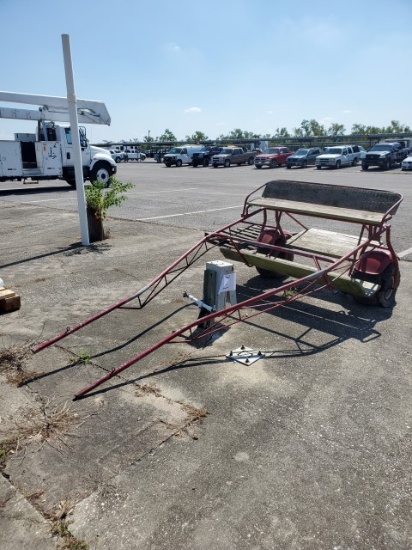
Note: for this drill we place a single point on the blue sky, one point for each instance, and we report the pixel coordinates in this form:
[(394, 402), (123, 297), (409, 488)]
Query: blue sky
[(214, 66)]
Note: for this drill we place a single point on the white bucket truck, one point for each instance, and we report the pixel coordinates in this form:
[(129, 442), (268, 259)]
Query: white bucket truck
[(48, 153)]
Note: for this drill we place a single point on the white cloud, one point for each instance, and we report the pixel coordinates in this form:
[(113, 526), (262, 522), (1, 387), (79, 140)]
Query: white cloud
[(346, 112), (172, 47), (193, 110)]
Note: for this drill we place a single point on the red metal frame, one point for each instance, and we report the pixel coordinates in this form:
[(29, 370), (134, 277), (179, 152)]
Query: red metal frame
[(217, 320)]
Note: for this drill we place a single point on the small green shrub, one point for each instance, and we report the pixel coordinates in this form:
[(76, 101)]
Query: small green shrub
[(100, 196)]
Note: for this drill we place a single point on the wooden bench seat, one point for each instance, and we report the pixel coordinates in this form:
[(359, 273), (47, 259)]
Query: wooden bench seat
[(351, 204)]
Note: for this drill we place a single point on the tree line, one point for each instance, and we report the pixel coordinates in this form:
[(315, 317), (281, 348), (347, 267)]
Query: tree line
[(307, 128)]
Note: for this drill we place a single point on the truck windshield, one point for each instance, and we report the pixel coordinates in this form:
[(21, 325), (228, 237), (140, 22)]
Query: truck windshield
[(272, 150), (334, 151), (301, 152), (175, 151), (82, 136), (381, 148)]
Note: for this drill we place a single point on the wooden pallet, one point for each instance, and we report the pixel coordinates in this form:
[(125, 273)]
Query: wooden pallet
[(9, 300)]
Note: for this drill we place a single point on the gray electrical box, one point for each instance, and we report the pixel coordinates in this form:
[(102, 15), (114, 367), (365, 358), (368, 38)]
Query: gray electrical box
[(219, 284)]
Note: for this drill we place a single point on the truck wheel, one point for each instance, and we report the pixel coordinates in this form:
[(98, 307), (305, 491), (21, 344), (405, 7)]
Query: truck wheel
[(250, 161), (288, 166), (179, 163), (272, 164), (195, 164), (206, 163), (227, 163), (215, 166), (117, 160), (355, 161), (101, 173), (258, 166), (365, 166), (338, 164), (304, 164), (71, 182), (318, 167)]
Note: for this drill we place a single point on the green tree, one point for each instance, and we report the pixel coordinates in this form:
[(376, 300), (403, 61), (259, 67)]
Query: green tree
[(281, 133), (148, 138), (167, 135), (336, 129), (197, 137)]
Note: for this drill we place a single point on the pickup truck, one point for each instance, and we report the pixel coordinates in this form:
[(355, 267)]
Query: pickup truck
[(337, 156), (385, 154), (272, 157), (117, 156), (233, 155), (204, 156), (134, 156)]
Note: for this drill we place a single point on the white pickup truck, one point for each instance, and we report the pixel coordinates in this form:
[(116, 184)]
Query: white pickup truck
[(134, 156), (340, 155)]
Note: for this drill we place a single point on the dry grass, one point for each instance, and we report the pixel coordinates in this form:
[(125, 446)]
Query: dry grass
[(147, 389), (60, 527), (36, 425), (13, 365), (194, 413)]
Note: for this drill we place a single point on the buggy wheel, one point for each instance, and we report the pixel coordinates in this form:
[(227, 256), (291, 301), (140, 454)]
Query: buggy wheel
[(385, 297), (275, 275)]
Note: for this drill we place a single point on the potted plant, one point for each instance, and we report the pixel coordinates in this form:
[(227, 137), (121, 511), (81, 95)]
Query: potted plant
[(99, 198)]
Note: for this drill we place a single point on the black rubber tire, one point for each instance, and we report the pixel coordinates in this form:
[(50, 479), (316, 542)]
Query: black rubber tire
[(226, 164), (386, 296), (273, 164), (168, 164), (101, 172), (355, 161), (195, 164), (288, 166), (304, 163), (258, 166), (275, 275), (206, 163), (318, 167), (72, 183), (338, 165), (215, 166), (179, 163), (365, 167), (250, 161)]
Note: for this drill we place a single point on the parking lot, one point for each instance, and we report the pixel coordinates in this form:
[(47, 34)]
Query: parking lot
[(308, 448)]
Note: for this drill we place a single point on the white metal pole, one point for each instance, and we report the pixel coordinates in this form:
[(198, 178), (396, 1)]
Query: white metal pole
[(77, 153)]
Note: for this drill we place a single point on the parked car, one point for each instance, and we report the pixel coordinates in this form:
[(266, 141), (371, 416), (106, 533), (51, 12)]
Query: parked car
[(203, 158), (233, 155), (272, 157), (407, 163), (181, 155), (117, 156), (303, 157), (337, 156), (385, 154)]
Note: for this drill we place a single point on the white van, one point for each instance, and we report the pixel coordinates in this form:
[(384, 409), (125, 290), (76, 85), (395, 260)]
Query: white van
[(181, 155)]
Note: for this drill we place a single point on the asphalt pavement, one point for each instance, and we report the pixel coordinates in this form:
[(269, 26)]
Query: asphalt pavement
[(307, 448)]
